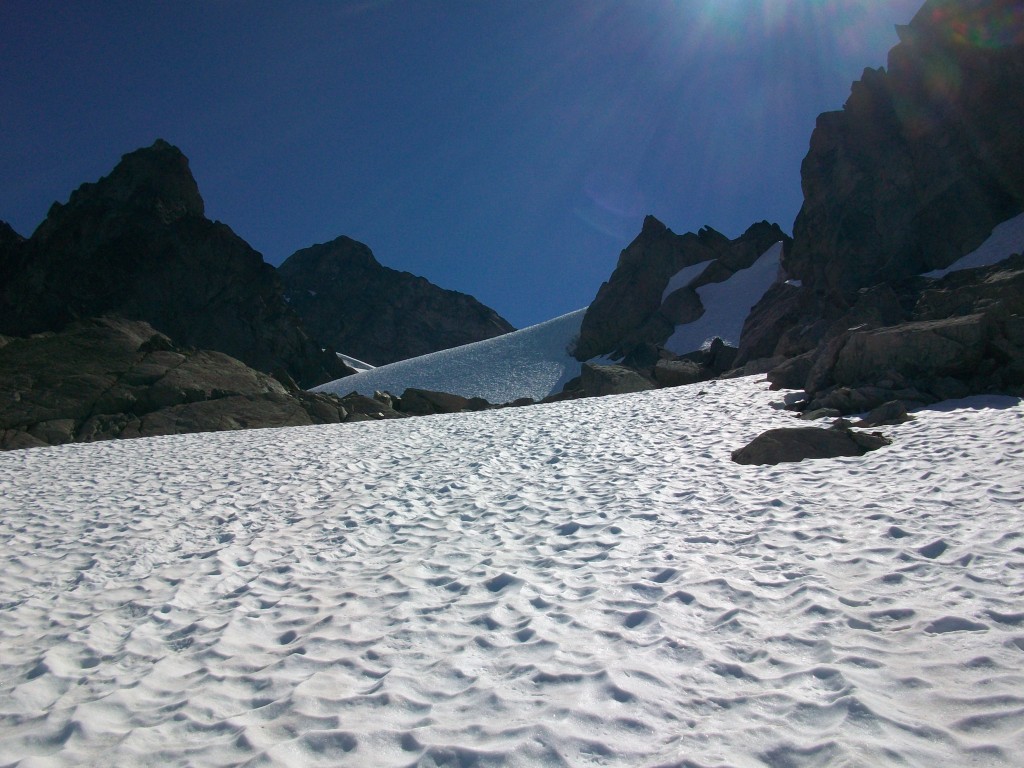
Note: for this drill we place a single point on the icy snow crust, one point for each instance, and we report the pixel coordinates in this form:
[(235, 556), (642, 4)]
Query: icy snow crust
[(532, 362), (586, 583)]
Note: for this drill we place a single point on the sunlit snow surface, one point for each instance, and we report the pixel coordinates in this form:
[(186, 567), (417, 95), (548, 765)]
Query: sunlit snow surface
[(586, 583), (727, 304), (532, 362)]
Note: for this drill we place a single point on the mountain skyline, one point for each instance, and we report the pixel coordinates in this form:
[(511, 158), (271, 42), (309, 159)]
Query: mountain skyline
[(509, 151)]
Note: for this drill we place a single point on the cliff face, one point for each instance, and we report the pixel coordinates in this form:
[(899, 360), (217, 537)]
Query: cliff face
[(632, 309), (376, 314), (924, 159), (137, 244)]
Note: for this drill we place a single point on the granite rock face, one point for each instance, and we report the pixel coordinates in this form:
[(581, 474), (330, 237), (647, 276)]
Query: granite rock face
[(137, 244), (925, 158), (632, 311), (958, 335), (376, 314), (108, 377)]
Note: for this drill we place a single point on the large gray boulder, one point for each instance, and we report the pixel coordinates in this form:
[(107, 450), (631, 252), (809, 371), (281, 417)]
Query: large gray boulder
[(952, 347), (790, 444), (425, 402), (601, 380), (110, 377)]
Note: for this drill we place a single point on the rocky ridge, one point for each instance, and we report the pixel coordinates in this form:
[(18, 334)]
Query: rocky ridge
[(632, 316), (922, 162), (377, 314), (137, 244), (109, 377)]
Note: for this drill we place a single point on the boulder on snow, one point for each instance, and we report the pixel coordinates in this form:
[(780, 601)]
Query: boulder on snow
[(678, 373), (424, 402), (790, 444), (891, 412), (600, 380)]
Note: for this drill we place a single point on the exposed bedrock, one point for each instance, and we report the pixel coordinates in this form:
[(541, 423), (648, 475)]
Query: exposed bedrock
[(924, 159), (109, 377)]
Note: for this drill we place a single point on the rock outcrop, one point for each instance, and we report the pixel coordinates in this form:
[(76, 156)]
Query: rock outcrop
[(922, 162), (425, 402), (108, 377), (376, 314), (137, 244), (638, 309), (925, 158), (948, 337)]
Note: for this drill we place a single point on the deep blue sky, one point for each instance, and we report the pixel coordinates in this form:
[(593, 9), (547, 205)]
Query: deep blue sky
[(506, 148)]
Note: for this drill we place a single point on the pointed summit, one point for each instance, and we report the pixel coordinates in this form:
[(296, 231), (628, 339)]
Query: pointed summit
[(346, 298), (136, 243), (152, 180)]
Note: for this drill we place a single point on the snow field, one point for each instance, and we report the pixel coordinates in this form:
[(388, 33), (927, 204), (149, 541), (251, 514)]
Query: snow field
[(532, 362), (585, 583)]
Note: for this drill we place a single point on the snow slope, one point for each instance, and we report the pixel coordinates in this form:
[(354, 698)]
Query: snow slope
[(1005, 240), (532, 362), (726, 304), (586, 583), (535, 362)]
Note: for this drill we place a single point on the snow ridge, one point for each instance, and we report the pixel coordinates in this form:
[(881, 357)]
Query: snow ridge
[(532, 362)]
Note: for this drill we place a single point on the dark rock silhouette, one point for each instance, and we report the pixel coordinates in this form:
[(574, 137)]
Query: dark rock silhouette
[(629, 314), (376, 314), (109, 377), (137, 244), (924, 159)]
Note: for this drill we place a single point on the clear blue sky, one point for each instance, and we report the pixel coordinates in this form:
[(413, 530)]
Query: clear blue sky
[(506, 148)]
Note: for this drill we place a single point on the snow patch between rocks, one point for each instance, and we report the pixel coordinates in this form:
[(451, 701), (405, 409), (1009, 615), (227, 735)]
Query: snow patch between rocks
[(727, 304), (1006, 239)]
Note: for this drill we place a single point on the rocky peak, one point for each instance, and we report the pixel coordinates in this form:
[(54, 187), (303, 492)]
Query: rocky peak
[(633, 310), (923, 160), (154, 180), (377, 314), (327, 262), (8, 237), (137, 244), (652, 226)]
